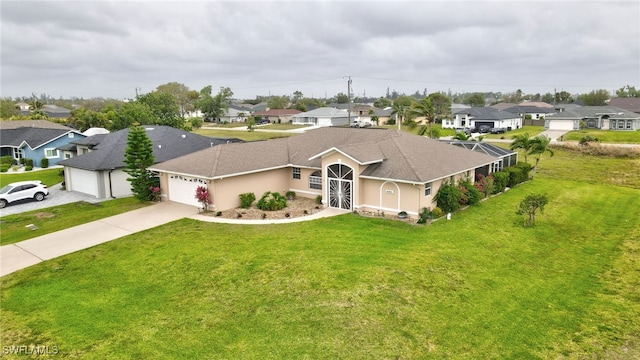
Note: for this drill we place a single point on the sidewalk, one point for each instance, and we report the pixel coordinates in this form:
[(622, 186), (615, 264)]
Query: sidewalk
[(14, 257)]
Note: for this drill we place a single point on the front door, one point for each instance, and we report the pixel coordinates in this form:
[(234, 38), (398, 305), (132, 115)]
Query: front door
[(340, 179)]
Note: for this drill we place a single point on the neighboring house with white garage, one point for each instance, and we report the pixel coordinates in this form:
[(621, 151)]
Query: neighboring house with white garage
[(324, 116), (350, 169), (98, 166), (485, 116), (594, 117)]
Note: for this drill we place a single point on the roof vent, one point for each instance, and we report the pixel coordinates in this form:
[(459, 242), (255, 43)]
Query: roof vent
[(159, 146), (184, 136)]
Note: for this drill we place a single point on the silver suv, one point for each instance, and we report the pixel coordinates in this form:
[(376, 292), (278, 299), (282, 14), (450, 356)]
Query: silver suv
[(23, 190)]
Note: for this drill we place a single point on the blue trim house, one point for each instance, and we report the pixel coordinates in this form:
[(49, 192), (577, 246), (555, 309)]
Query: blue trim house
[(35, 139)]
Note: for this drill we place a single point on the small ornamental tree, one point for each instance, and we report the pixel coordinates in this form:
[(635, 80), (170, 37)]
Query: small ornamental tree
[(530, 206), (202, 195), (448, 197), (137, 157)]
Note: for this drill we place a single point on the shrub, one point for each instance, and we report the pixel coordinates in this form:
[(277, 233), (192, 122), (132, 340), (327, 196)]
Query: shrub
[(247, 199), (44, 163), (272, 201), (500, 181), (425, 215), (7, 160), (437, 213), (291, 195), (485, 184), (585, 140), (472, 194), (28, 168), (28, 162), (202, 195), (319, 199), (22, 161), (4, 167), (448, 197)]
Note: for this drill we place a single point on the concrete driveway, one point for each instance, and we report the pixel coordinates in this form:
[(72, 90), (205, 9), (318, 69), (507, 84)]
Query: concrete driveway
[(56, 197), (14, 257)]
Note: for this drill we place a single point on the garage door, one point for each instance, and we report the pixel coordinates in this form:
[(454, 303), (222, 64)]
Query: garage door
[(477, 124), (182, 189), (84, 181), (560, 124)]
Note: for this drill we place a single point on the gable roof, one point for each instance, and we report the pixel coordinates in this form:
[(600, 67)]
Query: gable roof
[(483, 147), (529, 110), (541, 104), (628, 103), (277, 112), (168, 143), (324, 112), (583, 112), (503, 105), (486, 113), (390, 154), (41, 124), (33, 137)]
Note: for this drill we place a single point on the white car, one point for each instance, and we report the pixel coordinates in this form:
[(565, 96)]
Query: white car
[(23, 190)]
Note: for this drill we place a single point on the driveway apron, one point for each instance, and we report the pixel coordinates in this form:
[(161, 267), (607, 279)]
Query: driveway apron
[(14, 257)]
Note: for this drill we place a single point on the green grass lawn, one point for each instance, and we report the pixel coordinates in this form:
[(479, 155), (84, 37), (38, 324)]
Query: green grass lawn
[(606, 136), (477, 287), (62, 217), (48, 177), (283, 126), (244, 135), (532, 130)]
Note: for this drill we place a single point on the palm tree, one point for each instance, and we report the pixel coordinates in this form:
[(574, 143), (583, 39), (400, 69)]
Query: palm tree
[(461, 136), (540, 145), (524, 142), (424, 108), (399, 111)]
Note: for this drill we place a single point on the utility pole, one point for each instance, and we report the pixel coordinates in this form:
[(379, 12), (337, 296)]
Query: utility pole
[(349, 98)]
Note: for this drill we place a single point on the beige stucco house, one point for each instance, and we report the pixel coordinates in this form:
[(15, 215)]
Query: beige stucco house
[(352, 169)]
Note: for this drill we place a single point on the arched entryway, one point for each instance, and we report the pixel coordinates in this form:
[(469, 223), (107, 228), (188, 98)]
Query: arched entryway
[(340, 186)]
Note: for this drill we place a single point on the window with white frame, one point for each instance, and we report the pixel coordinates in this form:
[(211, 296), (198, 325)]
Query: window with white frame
[(51, 153), (427, 189), (296, 172), (629, 123), (315, 180)]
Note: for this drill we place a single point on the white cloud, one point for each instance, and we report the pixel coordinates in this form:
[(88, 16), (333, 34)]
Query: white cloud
[(87, 49)]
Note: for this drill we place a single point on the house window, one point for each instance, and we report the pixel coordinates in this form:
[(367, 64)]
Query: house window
[(51, 153), (315, 180), (427, 189), (67, 156), (70, 135), (613, 124), (496, 166), (629, 122), (296, 173), (621, 124)]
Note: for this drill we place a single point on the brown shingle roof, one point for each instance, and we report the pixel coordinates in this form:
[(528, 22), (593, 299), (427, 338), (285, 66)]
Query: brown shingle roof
[(406, 157), (40, 124), (630, 104)]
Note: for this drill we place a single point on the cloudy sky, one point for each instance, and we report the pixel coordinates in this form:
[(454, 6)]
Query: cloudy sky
[(110, 49)]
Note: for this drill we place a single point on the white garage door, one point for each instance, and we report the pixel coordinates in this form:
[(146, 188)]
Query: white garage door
[(84, 181), (560, 124), (182, 189)]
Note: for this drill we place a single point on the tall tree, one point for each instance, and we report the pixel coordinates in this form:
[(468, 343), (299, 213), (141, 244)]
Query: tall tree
[(165, 109), (596, 98), (382, 103), (182, 95), (342, 98), (523, 142), (132, 113), (563, 97), (399, 110), (540, 146), (278, 102), (214, 107), (475, 100), (8, 108), (424, 108), (628, 91), (138, 157), (441, 105)]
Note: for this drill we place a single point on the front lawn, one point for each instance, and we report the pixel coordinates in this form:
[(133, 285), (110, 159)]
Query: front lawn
[(62, 217), (282, 126), (532, 130), (606, 136), (475, 287), (48, 177), (241, 134)]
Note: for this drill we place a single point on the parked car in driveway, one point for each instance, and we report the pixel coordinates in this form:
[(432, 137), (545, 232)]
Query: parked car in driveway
[(484, 129), (22, 190), (498, 130), (466, 130)]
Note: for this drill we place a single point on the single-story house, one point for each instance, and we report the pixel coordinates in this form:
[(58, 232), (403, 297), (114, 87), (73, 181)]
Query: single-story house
[(485, 116), (98, 168), (54, 111), (35, 140), (234, 115), (350, 169), (532, 115), (276, 116), (324, 116), (593, 117)]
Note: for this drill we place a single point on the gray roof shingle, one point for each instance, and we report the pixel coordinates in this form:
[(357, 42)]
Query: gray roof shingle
[(405, 157)]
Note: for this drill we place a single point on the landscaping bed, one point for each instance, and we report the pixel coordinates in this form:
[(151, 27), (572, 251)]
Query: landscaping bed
[(295, 208)]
